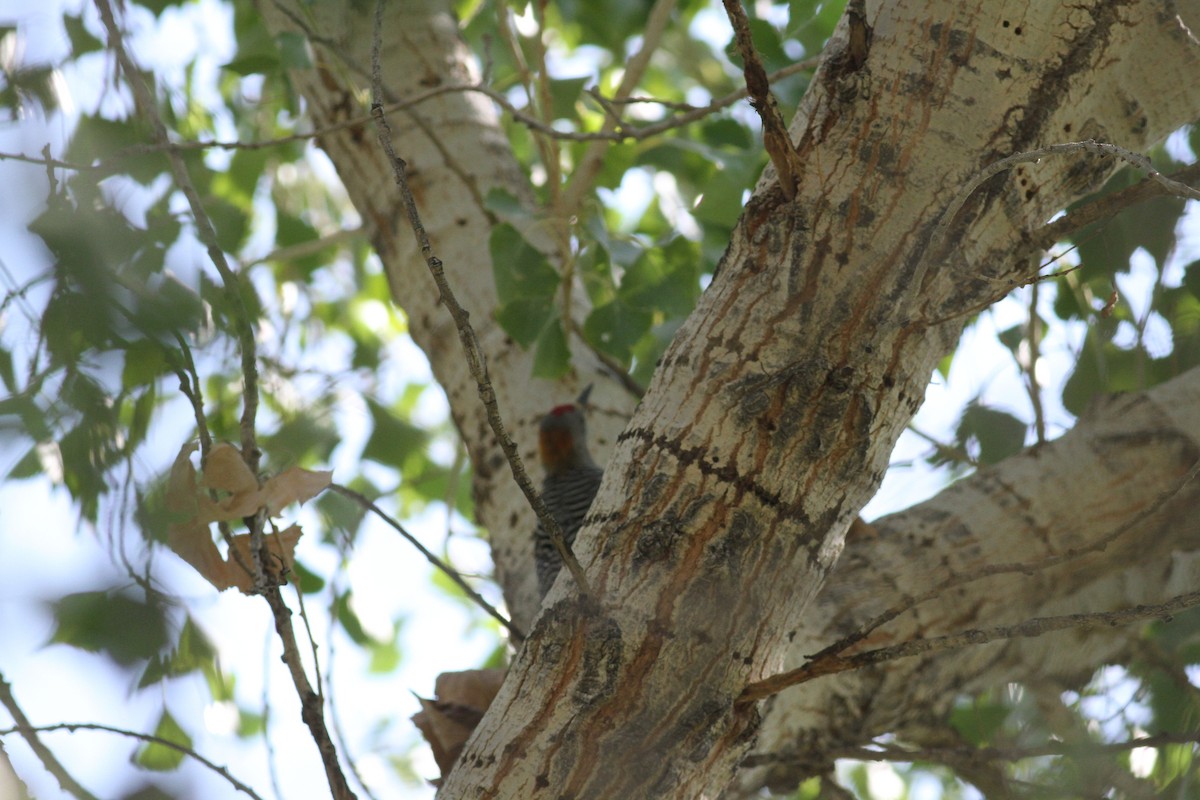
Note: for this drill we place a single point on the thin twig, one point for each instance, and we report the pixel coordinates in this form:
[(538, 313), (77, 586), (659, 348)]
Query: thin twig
[(331, 694), (26, 729), (476, 362), (1033, 335), (449, 571), (622, 132), (776, 139), (30, 734), (189, 386), (272, 757), (1108, 206), (584, 174), (1039, 626), (310, 702)]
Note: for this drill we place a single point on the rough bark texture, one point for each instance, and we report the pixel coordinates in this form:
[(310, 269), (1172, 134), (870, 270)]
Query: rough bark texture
[(771, 418), (1064, 497)]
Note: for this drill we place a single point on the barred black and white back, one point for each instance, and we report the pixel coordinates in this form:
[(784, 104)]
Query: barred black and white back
[(568, 495)]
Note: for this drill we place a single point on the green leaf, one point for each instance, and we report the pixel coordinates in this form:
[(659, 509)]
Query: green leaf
[(525, 319), (504, 204), (308, 581), (341, 514), (616, 327), (82, 41), (552, 358), (144, 361), (998, 433), (564, 95), (7, 373), (159, 6), (125, 629), (349, 621), (393, 439), (97, 139), (254, 64), (385, 656), (250, 724), (521, 270), (293, 50), (307, 438), (29, 466), (1102, 369), (1105, 247), (1012, 337), (1191, 278), (244, 172), (160, 757), (230, 221), (192, 652), (979, 722)]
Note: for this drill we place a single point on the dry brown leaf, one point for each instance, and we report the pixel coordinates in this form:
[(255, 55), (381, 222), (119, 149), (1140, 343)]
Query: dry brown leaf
[(191, 537), (293, 485), (281, 547), (224, 469), (448, 721)]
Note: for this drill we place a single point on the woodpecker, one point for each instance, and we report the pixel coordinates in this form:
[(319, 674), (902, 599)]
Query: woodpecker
[(572, 478)]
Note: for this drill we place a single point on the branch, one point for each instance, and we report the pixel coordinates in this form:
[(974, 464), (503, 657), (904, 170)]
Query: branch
[(1023, 567), (776, 140), (28, 730), (516, 634), (904, 754), (1110, 205), (939, 241), (310, 701), (832, 663), (205, 231), (476, 362), (588, 166), (44, 754), (331, 695)]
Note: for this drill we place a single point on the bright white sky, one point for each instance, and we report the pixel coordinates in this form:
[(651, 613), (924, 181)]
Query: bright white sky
[(45, 556)]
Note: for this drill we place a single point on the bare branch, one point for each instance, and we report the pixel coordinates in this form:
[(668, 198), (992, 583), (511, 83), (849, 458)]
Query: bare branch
[(204, 230), (27, 730), (776, 140), (584, 174), (1109, 206), (940, 239), (896, 753), (30, 734), (513, 631), (1039, 626)]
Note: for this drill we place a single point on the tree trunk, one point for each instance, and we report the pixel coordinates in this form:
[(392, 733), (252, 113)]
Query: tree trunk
[(771, 418)]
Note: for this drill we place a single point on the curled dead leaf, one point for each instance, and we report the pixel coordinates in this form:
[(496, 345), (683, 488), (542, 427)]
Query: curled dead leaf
[(447, 721), (194, 510)]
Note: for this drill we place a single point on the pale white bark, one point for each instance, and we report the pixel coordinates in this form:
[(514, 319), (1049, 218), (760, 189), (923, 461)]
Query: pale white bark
[(456, 154), (771, 418), (1061, 498)]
